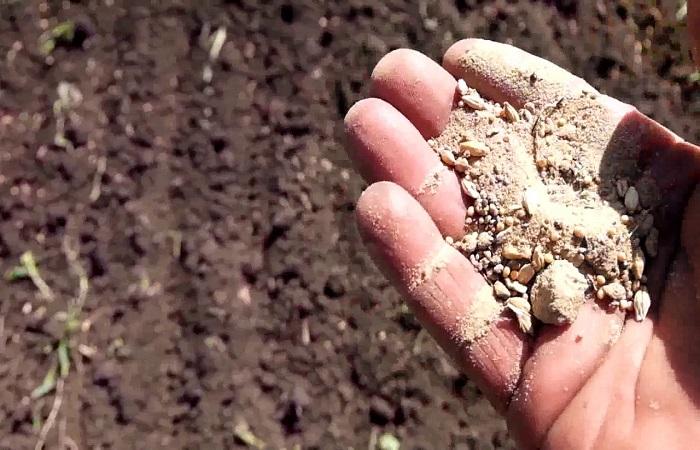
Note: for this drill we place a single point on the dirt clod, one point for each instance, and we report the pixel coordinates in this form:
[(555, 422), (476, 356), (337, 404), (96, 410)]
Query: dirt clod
[(558, 293)]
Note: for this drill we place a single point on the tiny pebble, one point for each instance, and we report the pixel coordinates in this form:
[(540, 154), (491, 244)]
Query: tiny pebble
[(500, 290), (632, 199), (615, 291), (462, 87), (447, 157), (510, 113), (526, 273)]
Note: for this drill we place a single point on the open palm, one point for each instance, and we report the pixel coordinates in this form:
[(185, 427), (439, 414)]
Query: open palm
[(603, 381)]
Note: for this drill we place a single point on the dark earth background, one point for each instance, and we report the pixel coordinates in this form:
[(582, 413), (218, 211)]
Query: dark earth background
[(227, 283)]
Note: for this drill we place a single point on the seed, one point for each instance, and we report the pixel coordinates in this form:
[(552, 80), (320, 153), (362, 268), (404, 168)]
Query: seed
[(578, 232), (526, 273), (621, 186), (625, 219), (449, 240), (506, 272), (474, 102), (642, 302), (470, 189), (447, 157), (470, 211), (510, 113), (638, 265), (462, 87), (548, 258), (514, 274), (500, 290), (615, 291), (600, 294), (518, 302), (498, 268), (524, 317), (632, 199), (600, 280), (473, 148), (554, 236), (500, 226), (512, 252)]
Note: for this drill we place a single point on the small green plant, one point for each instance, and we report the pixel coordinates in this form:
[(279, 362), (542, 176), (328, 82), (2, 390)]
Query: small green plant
[(63, 32), (29, 269)]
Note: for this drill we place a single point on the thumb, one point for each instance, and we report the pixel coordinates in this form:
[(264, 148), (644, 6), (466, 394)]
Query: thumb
[(694, 29)]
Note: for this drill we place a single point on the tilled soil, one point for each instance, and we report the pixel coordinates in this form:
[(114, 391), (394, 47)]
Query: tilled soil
[(227, 283)]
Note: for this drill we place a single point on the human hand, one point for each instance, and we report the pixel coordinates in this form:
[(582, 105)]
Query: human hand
[(601, 382)]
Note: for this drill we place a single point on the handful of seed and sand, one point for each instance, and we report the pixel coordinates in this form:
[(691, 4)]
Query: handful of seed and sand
[(554, 218)]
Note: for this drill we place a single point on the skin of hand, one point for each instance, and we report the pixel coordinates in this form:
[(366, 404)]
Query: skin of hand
[(602, 382)]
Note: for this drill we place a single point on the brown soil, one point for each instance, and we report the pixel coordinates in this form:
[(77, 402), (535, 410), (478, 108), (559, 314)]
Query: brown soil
[(227, 283)]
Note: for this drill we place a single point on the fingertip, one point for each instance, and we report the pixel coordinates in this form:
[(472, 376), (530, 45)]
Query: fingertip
[(456, 51), (395, 60), (357, 111), (385, 205), (365, 110), (417, 86), (370, 208)]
